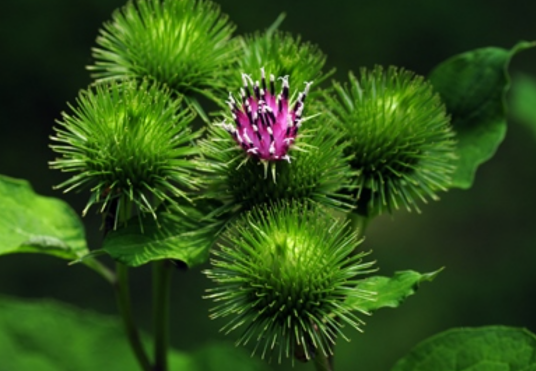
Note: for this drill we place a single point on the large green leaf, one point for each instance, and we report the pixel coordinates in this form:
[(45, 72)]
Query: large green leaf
[(38, 224), (389, 291), (187, 238), (493, 348), (523, 100), (50, 336), (473, 86)]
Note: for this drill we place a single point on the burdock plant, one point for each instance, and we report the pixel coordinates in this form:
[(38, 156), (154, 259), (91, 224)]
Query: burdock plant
[(278, 178)]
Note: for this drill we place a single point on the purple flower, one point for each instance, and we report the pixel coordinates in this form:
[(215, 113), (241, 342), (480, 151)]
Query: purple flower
[(266, 124)]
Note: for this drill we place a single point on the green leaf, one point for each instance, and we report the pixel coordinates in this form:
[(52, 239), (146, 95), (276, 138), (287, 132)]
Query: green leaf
[(493, 348), (523, 100), (38, 224), (179, 237), (46, 335), (389, 291), (473, 86)]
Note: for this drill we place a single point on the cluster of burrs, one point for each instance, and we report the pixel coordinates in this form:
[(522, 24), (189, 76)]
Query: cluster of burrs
[(266, 124)]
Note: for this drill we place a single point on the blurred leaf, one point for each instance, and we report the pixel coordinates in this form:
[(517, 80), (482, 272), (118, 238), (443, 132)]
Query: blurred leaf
[(390, 291), (473, 86), (493, 348), (179, 237), (523, 100), (50, 336), (38, 224)]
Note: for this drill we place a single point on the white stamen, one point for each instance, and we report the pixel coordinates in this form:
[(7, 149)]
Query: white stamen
[(248, 139), (300, 110), (246, 78), (272, 148), (270, 131), (230, 128), (288, 140), (307, 86), (285, 80), (286, 157)]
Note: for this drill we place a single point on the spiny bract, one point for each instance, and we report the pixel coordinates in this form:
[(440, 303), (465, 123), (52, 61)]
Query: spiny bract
[(284, 275)]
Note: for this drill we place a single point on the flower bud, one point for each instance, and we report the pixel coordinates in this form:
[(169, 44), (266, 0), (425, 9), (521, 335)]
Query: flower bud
[(282, 54), (399, 135), (127, 141), (283, 277), (184, 44)]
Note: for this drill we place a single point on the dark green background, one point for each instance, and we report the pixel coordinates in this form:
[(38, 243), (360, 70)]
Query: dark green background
[(485, 237)]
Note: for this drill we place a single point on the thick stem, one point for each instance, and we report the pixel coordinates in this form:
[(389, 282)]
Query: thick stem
[(323, 362), (125, 309), (161, 288)]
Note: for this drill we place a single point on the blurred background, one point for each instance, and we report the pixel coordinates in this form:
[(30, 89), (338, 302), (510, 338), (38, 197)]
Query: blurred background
[(485, 237)]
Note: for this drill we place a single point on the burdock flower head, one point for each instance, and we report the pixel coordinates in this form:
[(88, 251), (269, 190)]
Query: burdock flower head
[(267, 129), (266, 123), (129, 142), (399, 136), (283, 276)]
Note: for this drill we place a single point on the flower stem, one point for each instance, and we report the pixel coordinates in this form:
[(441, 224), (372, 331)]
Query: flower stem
[(161, 286), (101, 269), (323, 362), (125, 309)]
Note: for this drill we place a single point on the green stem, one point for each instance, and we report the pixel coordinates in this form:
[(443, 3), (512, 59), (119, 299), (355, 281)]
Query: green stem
[(323, 362), (161, 288), (125, 309)]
